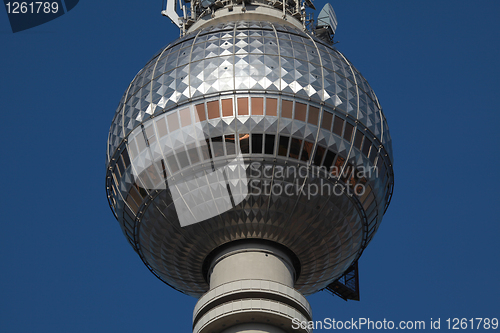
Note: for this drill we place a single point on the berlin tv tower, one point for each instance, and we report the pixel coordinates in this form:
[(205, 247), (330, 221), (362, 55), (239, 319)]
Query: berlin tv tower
[(249, 163)]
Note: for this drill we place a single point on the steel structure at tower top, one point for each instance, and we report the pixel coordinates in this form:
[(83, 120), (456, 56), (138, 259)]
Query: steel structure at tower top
[(249, 162), (197, 13)]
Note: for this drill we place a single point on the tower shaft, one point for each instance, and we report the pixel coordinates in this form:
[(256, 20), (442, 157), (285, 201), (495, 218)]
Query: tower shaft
[(251, 291)]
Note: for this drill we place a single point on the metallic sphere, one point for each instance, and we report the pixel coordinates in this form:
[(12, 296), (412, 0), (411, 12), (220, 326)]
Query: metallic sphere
[(249, 130)]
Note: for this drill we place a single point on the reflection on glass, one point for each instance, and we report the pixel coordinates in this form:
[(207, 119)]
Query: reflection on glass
[(200, 112), (313, 115), (172, 163), (382, 170), (141, 190), (283, 145), (140, 142), (185, 117), (338, 165), (271, 106), (295, 148), (227, 107), (358, 140), (162, 127), (318, 157), (373, 154), (243, 106), (306, 151), (113, 190), (131, 202), (270, 144), (245, 143), (366, 146), (368, 200), (134, 199), (116, 173), (126, 158), (360, 189), (217, 146), (347, 173), (258, 106), (193, 153), (330, 156), (368, 190), (348, 131), (182, 157), (206, 150), (256, 143), (164, 169), (213, 109), (230, 144), (150, 132), (120, 165), (338, 125), (133, 148), (326, 123), (159, 172), (153, 175), (172, 122), (300, 111), (286, 109)]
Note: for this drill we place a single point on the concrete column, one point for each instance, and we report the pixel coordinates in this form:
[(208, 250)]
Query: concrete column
[(251, 260), (251, 291)]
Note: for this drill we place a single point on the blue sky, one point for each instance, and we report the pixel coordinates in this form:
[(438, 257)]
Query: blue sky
[(65, 265)]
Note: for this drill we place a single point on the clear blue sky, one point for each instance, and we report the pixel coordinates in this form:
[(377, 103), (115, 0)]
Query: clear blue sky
[(65, 265)]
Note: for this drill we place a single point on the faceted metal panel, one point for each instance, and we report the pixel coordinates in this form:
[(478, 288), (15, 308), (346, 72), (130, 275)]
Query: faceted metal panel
[(272, 97), (176, 254), (248, 56)]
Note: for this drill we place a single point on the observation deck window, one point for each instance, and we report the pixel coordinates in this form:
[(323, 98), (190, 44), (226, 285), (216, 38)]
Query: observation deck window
[(286, 108), (313, 115), (213, 109), (200, 112), (271, 107), (338, 125), (243, 106), (300, 111), (358, 139), (185, 117), (172, 163), (348, 131), (330, 157), (257, 106), (172, 122), (318, 156), (269, 144), (256, 143), (295, 148), (162, 127), (245, 143), (192, 151), (366, 146), (217, 146), (283, 145), (326, 122), (306, 151), (230, 144), (227, 107)]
